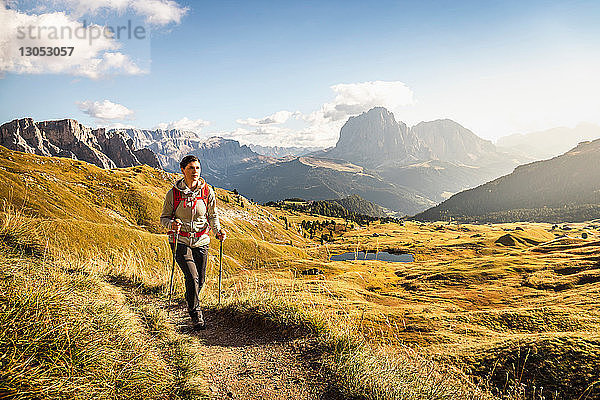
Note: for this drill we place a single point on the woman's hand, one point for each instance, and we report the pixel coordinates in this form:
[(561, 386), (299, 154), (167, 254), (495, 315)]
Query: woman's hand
[(221, 235), (176, 225)]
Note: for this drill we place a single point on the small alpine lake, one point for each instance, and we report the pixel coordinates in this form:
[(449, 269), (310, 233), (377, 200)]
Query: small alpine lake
[(372, 255)]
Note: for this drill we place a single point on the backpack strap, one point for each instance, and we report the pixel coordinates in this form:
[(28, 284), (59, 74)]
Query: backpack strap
[(205, 194), (176, 201)]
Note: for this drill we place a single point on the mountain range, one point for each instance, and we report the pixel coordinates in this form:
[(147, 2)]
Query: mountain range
[(431, 160), (564, 188), (68, 138), (224, 161), (404, 169)]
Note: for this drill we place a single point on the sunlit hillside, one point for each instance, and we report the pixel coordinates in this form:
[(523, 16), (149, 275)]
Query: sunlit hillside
[(509, 309)]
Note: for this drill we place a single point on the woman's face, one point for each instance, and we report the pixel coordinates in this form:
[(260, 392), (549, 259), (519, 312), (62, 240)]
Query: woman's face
[(191, 172)]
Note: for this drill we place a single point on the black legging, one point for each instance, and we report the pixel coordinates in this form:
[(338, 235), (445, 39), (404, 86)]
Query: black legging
[(192, 261)]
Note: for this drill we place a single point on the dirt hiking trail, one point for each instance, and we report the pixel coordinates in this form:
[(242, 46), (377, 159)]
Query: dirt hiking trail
[(242, 360), (250, 362)]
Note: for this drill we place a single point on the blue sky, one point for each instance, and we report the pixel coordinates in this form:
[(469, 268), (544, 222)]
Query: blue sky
[(222, 67)]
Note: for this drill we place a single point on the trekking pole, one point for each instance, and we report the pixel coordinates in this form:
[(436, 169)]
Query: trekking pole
[(174, 261), (220, 267)]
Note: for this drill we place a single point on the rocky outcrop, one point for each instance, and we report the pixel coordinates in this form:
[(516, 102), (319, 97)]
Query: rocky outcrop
[(68, 138), (435, 159), (450, 141), (375, 137), (147, 156), (148, 137), (225, 151)]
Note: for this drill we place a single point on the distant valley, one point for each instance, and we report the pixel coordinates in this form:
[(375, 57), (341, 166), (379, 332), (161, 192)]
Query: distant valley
[(403, 169)]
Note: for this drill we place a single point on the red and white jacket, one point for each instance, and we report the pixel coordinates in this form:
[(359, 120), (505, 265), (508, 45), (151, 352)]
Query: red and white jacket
[(195, 208)]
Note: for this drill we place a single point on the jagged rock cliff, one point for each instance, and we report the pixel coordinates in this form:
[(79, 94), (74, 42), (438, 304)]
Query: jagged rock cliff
[(219, 156), (374, 137), (68, 138)]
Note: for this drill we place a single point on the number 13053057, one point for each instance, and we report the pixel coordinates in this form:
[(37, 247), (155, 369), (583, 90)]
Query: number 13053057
[(46, 51)]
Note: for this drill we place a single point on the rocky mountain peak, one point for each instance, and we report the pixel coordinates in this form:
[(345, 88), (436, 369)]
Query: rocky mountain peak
[(69, 138), (227, 150), (450, 141), (376, 124), (217, 141), (375, 137), (147, 137)]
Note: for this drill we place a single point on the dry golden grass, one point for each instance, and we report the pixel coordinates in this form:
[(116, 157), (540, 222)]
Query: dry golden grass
[(363, 370), (518, 314), (70, 336), (518, 311), (67, 333)]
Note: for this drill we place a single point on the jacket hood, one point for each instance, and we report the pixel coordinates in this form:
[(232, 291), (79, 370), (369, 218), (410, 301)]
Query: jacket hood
[(186, 191)]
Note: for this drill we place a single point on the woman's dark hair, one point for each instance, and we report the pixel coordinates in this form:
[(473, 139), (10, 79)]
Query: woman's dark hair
[(188, 159)]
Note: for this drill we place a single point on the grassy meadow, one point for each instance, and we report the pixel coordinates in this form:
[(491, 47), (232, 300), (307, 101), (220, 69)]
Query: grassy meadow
[(485, 311)]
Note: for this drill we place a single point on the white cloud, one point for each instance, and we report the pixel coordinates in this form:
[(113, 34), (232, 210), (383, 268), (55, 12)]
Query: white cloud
[(272, 135), (268, 135), (279, 117), (355, 98), (115, 62), (184, 124), (322, 127), (155, 12), (82, 7), (159, 12), (105, 110), (94, 54), (115, 125)]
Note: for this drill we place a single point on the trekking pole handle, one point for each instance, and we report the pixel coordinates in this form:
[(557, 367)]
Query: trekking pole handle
[(177, 223)]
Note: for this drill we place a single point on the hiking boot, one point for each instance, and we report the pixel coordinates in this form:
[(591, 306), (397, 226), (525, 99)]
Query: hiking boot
[(200, 326), (198, 321)]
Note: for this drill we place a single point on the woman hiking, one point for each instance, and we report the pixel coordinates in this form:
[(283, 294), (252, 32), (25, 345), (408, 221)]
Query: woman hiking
[(190, 210)]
